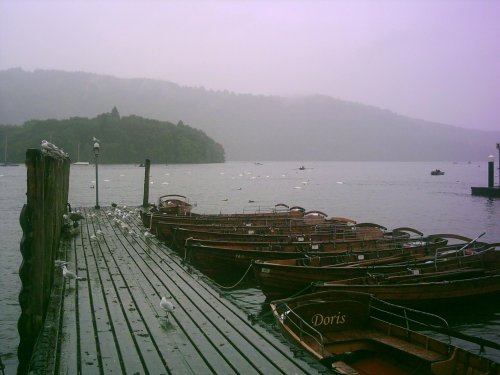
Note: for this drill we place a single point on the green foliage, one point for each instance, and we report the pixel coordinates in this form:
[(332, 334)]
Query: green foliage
[(124, 140)]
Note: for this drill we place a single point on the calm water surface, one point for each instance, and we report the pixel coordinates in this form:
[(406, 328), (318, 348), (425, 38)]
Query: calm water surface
[(388, 193)]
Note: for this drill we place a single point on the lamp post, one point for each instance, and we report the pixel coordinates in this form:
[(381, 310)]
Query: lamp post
[(96, 154)]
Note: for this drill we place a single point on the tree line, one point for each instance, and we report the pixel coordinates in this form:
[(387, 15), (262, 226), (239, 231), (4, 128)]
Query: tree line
[(124, 140)]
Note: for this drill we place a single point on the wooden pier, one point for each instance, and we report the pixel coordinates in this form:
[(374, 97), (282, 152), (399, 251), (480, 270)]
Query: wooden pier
[(110, 321)]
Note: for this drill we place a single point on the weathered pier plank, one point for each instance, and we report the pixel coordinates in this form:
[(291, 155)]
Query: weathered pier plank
[(111, 321)]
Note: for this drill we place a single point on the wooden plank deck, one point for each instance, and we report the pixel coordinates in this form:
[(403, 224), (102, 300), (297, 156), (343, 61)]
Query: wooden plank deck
[(111, 323)]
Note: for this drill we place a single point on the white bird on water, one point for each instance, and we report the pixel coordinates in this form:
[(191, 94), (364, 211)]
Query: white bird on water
[(167, 306)]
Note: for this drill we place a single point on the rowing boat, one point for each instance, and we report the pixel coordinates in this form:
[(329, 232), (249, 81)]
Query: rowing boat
[(356, 333), (285, 277), (426, 291), (225, 260)]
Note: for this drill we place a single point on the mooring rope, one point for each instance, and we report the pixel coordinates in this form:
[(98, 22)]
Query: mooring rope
[(238, 283), (254, 318)]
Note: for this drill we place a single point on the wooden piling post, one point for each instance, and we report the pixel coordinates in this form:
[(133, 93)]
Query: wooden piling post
[(145, 200), (41, 220), (491, 174)]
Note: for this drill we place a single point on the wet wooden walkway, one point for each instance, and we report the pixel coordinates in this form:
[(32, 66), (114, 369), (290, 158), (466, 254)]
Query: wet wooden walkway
[(110, 322)]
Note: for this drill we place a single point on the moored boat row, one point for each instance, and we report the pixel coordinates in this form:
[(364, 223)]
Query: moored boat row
[(294, 252)]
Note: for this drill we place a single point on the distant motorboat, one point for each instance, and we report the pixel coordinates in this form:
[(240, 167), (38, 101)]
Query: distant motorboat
[(437, 172)]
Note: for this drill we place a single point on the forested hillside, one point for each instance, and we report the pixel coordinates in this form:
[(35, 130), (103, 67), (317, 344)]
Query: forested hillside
[(249, 127), (130, 139)]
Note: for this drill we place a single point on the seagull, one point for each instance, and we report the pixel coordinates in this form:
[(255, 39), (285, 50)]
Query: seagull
[(48, 147), (148, 235), (94, 238), (52, 149), (76, 216), (99, 233), (69, 275), (166, 306), (59, 262)]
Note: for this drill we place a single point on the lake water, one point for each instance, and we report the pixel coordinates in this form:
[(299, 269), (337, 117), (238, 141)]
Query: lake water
[(392, 194)]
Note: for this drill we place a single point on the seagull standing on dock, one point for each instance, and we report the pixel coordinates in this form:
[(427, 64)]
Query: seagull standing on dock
[(69, 275), (76, 216), (148, 235), (166, 306)]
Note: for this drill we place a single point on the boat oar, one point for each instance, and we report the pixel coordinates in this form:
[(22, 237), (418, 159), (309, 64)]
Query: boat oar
[(471, 242), (459, 250)]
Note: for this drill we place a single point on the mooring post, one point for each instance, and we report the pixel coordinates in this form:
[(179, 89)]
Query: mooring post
[(491, 173), (97, 147), (498, 148), (145, 199), (41, 221)]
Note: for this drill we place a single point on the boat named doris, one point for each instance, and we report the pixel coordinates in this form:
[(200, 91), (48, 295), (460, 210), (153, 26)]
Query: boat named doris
[(355, 333)]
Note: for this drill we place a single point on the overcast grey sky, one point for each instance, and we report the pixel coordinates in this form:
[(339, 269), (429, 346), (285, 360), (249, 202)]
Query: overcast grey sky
[(437, 60)]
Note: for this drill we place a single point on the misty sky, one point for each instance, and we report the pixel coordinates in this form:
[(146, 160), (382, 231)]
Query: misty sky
[(437, 60)]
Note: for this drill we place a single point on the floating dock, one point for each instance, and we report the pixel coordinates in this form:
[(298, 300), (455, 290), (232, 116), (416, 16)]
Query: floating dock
[(110, 321), (491, 190)]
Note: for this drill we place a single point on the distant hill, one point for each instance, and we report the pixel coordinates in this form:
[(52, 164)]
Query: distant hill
[(124, 140), (249, 127)]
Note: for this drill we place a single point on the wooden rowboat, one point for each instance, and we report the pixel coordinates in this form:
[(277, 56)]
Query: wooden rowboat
[(286, 277), (250, 222), (359, 238), (426, 291), (356, 333), (174, 204), (178, 207), (226, 261)]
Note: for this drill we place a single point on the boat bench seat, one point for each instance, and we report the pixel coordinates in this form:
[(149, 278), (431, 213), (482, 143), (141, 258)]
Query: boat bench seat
[(381, 338)]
